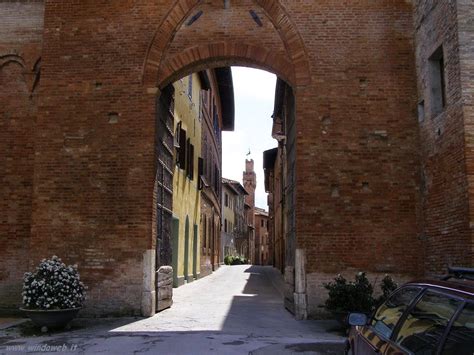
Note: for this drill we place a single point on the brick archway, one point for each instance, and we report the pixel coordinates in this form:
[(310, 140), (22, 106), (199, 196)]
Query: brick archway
[(360, 168), (159, 70), (222, 54)]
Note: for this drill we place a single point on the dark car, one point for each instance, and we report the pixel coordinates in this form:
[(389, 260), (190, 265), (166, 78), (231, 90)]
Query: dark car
[(421, 317)]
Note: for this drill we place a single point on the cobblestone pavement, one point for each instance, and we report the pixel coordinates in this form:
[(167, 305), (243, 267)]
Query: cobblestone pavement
[(236, 310)]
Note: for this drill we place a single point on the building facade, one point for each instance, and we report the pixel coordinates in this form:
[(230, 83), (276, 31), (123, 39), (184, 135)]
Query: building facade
[(273, 186), (229, 204), (186, 193), (379, 150), (234, 227), (217, 115), (263, 255)]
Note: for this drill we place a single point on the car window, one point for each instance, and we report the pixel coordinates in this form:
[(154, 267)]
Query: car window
[(388, 314), (460, 340), (426, 323)]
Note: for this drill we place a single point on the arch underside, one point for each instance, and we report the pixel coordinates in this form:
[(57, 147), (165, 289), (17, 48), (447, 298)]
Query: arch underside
[(178, 48)]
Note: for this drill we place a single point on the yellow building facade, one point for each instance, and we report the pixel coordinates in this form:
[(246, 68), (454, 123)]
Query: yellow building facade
[(186, 194)]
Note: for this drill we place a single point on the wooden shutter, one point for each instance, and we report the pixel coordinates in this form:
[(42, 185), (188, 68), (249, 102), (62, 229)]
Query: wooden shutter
[(182, 149)]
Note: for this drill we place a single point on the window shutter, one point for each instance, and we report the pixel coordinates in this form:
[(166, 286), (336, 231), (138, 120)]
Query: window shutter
[(188, 144), (191, 161), (182, 149)]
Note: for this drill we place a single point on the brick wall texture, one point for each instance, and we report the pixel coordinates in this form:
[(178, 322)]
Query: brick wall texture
[(21, 31), (375, 188)]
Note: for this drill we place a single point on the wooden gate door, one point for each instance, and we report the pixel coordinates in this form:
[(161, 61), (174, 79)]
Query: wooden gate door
[(164, 197)]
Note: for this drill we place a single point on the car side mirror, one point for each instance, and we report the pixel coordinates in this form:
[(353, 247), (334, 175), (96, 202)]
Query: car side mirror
[(357, 319)]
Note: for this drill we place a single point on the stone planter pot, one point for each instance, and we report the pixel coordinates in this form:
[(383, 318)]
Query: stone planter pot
[(341, 318), (51, 318)]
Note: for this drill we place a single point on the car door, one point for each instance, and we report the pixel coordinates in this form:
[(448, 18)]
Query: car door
[(375, 337), (460, 339), (423, 327)]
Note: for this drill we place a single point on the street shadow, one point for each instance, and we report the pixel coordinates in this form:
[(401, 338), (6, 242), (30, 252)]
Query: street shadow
[(256, 314)]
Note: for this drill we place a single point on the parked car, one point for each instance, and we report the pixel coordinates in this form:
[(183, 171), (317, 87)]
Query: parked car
[(421, 317)]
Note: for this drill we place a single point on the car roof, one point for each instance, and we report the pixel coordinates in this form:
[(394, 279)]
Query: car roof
[(461, 287)]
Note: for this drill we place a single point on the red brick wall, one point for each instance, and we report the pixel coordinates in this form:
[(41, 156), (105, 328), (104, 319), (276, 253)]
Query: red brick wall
[(444, 186), (358, 165), (21, 28), (465, 12), (94, 175)]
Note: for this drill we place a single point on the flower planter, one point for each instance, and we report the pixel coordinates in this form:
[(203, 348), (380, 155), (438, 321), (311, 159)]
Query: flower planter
[(51, 318), (52, 294)]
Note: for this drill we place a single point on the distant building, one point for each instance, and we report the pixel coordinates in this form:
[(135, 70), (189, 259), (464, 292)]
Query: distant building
[(272, 165), (250, 184), (262, 240), (217, 114), (234, 227)]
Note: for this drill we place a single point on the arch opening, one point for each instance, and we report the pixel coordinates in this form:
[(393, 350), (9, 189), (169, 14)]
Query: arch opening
[(226, 225)]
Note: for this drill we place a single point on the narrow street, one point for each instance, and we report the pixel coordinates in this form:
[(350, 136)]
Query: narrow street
[(236, 310)]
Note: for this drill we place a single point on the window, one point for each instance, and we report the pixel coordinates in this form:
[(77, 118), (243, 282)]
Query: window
[(437, 85), (388, 314), (421, 111), (226, 199), (181, 149), (190, 86), (225, 225), (177, 135), (426, 323), (190, 160), (460, 340)]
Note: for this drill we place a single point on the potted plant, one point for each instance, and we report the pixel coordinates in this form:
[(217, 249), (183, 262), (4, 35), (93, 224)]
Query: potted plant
[(53, 294)]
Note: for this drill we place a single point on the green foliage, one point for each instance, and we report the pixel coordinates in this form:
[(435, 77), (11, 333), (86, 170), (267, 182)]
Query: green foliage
[(234, 260), (387, 285), (347, 296), (356, 296)]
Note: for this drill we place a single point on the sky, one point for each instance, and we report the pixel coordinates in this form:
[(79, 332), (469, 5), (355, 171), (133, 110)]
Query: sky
[(254, 94)]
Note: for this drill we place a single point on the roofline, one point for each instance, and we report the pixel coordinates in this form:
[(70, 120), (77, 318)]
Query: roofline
[(235, 185)]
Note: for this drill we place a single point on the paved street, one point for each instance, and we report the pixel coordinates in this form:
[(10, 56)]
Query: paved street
[(236, 310)]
